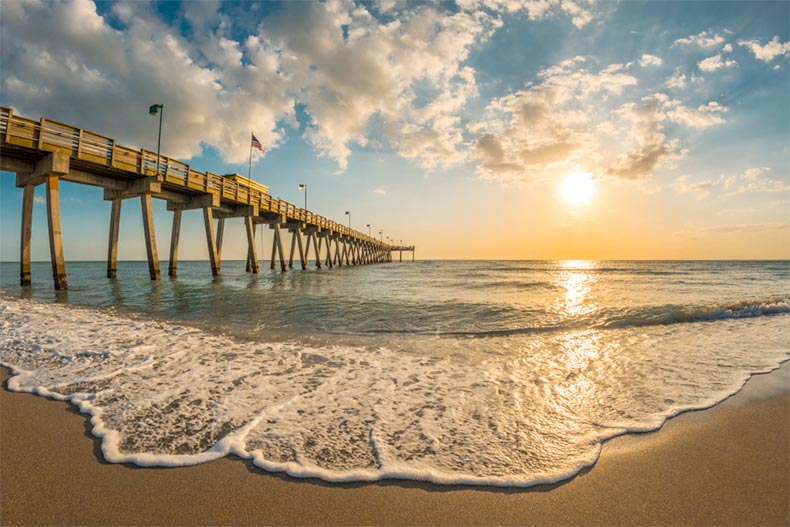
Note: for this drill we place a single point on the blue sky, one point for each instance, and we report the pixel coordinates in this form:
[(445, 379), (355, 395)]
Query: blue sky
[(451, 126)]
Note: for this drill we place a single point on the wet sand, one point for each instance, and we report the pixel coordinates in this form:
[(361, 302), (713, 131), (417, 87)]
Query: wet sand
[(729, 465)]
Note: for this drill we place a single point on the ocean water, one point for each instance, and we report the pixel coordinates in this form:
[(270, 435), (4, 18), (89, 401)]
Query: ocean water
[(489, 372)]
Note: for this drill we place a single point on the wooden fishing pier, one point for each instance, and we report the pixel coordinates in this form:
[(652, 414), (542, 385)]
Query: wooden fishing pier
[(47, 152)]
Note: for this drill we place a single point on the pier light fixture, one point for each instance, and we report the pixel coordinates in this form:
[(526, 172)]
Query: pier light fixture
[(368, 226), (153, 110), (303, 186), (381, 236), (349, 219)]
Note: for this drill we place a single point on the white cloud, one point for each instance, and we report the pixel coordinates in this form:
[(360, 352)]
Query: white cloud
[(580, 12), (580, 16), (110, 76), (649, 147), (716, 62), (706, 39), (543, 129), (703, 116), (650, 60), (767, 52), (346, 68), (380, 192), (570, 120), (677, 80), (39, 200)]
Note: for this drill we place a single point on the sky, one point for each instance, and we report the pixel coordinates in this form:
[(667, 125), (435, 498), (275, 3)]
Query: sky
[(474, 129)]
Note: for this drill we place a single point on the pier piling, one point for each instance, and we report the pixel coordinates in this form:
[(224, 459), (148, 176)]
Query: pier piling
[(150, 236), (27, 223), (175, 234), (55, 234), (213, 254), (47, 152), (112, 245)]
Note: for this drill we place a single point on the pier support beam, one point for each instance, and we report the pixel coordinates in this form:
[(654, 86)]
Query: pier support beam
[(46, 170), (294, 234), (325, 237), (55, 234), (181, 204), (144, 188), (311, 231), (175, 234), (277, 247), (150, 236), (274, 252), (213, 254), (328, 248), (252, 256), (338, 261), (27, 224), (317, 253), (302, 255), (296, 241), (112, 245), (220, 237)]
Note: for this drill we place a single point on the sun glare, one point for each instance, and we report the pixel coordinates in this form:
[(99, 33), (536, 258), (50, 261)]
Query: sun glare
[(578, 188)]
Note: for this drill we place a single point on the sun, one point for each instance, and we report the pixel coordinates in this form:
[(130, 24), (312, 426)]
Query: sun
[(578, 188)]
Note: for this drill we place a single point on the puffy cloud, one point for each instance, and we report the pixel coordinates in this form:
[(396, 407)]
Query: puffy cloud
[(110, 76), (543, 129), (706, 39), (380, 192), (650, 60), (571, 119), (677, 80), (580, 12), (767, 52), (348, 70), (650, 147), (716, 62), (703, 116)]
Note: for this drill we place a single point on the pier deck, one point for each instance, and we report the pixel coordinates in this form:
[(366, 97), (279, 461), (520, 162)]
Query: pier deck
[(47, 152)]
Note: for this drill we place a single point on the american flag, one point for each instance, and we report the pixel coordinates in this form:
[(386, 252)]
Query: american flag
[(256, 144)]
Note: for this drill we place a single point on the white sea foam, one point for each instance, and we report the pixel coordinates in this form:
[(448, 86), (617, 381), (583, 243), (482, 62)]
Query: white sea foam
[(515, 410)]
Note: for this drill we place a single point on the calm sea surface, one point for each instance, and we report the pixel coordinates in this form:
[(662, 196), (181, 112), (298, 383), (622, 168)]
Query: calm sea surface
[(489, 372)]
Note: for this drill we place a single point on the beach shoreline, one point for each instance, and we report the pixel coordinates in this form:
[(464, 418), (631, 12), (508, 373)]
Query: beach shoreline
[(725, 465)]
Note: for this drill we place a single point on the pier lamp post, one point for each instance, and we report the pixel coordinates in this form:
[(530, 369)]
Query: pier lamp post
[(303, 186), (368, 226), (349, 219), (381, 236), (153, 110)]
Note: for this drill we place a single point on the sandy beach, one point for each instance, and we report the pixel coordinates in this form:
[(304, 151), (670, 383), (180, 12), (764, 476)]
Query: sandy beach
[(723, 466)]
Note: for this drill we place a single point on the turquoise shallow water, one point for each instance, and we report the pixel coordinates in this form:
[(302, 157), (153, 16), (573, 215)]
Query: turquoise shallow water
[(496, 372)]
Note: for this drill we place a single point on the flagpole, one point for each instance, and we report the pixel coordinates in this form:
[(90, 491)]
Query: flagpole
[(249, 169)]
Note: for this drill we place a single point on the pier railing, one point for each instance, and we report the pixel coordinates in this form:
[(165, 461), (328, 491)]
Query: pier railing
[(51, 136)]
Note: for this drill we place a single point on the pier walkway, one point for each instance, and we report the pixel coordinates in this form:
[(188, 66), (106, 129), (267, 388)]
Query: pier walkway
[(47, 152)]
